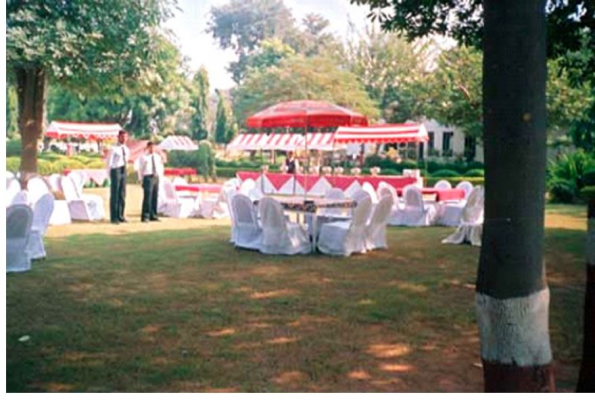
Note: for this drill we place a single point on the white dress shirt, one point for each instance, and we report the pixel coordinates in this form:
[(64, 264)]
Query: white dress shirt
[(118, 156), (145, 165)]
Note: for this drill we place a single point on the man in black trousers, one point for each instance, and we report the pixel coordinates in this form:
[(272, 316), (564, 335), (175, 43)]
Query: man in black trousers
[(150, 168), (117, 161)]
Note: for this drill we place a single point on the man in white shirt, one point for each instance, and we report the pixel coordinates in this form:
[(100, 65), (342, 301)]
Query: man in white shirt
[(117, 161), (150, 168)]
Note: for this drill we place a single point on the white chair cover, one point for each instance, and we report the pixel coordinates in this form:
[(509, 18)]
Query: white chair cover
[(442, 184), (9, 175), (37, 188), (42, 213), (389, 191), (368, 188), (86, 208), (248, 232), (360, 195), (230, 192), (415, 212), (12, 188), (78, 180), (346, 237), (18, 231), (467, 187), (21, 197), (53, 182), (247, 186), (353, 188), (177, 206), (61, 214), (280, 236), (255, 194), (376, 228), (214, 207), (471, 226)]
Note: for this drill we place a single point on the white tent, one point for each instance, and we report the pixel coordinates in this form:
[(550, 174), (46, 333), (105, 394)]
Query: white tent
[(178, 143)]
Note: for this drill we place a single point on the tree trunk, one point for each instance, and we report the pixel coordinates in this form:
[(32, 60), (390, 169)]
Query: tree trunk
[(512, 294), (31, 93), (586, 381)]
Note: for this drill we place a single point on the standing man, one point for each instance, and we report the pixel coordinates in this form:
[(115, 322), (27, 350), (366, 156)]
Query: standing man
[(291, 163), (150, 168), (117, 161)]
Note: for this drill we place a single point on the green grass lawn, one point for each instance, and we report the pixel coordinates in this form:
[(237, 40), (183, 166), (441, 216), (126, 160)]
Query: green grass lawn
[(172, 306)]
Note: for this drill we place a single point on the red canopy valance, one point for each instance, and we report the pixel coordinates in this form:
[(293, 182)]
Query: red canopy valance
[(389, 133), (79, 130)]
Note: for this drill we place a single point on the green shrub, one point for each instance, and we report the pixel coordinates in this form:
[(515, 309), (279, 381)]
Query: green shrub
[(205, 160), (13, 164), (389, 172), (68, 163), (445, 173), (431, 181), (562, 191), (13, 148), (475, 173), (96, 164), (589, 177), (588, 193)]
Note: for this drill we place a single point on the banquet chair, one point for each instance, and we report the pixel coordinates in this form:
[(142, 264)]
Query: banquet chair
[(213, 207), (176, 206), (246, 186), (53, 182), (22, 197), (255, 194), (248, 232), (87, 208), (442, 184), (376, 228), (18, 231), (451, 212), (79, 181), (280, 236), (415, 212), (368, 188), (13, 187), (395, 213), (353, 188), (42, 213), (230, 192), (465, 186), (471, 226), (360, 195), (37, 187), (9, 175), (343, 238)]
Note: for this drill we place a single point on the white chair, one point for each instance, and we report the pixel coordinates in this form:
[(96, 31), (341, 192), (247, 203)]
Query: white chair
[(53, 182), (346, 237), (78, 179), (248, 234), (42, 213), (86, 208), (360, 195), (37, 188), (247, 186), (21, 197), (415, 212), (179, 181), (376, 228), (230, 192), (177, 206), (353, 188), (389, 191), (9, 175), (368, 188), (471, 226), (255, 194), (213, 207), (466, 186), (18, 231), (280, 236), (13, 187), (442, 184), (233, 182)]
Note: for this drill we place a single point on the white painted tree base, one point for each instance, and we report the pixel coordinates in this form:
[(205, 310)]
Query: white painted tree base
[(515, 331)]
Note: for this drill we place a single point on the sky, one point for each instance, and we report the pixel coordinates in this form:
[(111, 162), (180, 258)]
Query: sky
[(189, 26)]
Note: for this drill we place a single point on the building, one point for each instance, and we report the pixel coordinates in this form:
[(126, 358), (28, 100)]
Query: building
[(449, 143)]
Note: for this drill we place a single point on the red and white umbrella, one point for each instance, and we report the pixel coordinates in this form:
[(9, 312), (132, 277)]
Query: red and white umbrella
[(389, 133), (79, 130)]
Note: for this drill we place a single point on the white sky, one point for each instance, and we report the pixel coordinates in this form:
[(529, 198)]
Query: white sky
[(190, 23)]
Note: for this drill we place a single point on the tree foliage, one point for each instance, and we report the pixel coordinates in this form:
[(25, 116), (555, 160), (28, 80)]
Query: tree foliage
[(200, 105), (298, 77), (224, 125)]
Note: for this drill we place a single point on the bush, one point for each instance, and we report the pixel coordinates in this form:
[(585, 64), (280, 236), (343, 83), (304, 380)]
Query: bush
[(431, 181), (445, 173), (588, 193), (13, 164), (96, 164), (13, 148), (67, 164), (475, 173), (589, 177), (562, 191), (205, 160)]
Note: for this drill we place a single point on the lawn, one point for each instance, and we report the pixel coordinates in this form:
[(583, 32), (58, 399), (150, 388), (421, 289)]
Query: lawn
[(172, 306)]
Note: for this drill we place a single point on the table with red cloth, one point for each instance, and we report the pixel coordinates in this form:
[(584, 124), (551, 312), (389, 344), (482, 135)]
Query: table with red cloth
[(99, 176), (199, 187), (342, 182), (441, 194), (179, 171)]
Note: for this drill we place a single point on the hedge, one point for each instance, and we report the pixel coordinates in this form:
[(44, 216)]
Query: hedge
[(588, 193), (445, 173), (431, 181)]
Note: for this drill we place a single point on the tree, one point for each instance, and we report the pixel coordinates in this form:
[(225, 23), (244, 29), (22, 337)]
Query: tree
[(12, 128), (93, 47), (241, 25), (301, 78), (224, 128), (512, 294), (200, 103), (270, 54)]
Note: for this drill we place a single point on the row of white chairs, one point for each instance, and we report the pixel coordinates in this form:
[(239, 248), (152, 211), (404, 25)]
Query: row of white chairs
[(173, 204)]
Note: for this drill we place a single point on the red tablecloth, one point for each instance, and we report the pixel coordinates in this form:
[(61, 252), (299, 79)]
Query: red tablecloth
[(99, 176), (200, 187), (441, 194), (179, 171)]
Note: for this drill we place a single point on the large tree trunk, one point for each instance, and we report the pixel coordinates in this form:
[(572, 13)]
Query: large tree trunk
[(31, 93), (586, 381), (512, 293)]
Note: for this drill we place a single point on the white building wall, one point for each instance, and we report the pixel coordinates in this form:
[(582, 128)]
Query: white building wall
[(457, 142)]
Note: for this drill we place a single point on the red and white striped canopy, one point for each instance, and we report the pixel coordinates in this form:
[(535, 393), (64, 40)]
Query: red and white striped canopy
[(285, 141), (178, 143), (248, 141), (321, 141), (80, 130), (390, 133)]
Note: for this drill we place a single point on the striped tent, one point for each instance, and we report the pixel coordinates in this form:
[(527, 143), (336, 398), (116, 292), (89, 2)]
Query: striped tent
[(389, 133), (79, 130), (178, 143), (321, 141), (285, 141), (246, 141)]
